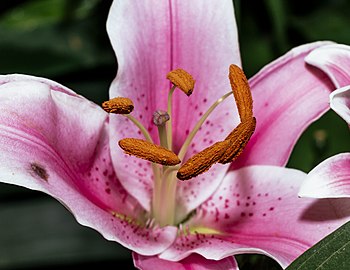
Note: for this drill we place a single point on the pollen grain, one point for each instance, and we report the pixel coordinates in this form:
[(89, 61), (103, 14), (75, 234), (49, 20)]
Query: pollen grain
[(118, 105), (202, 161), (241, 92), (149, 151), (182, 79), (238, 139)]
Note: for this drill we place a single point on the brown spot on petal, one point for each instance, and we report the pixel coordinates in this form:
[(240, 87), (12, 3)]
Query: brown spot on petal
[(39, 170), (241, 92), (182, 79), (202, 161), (118, 105), (149, 151), (238, 138)]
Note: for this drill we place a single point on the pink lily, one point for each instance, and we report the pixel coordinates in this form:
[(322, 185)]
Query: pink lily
[(57, 142), (331, 178)]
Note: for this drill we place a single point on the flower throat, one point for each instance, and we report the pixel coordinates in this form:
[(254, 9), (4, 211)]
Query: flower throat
[(168, 167)]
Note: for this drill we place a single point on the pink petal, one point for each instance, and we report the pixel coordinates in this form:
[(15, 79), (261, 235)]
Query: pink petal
[(329, 179), (55, 141), (192, 262), (256, 210), (334, 60), (288, 95), (150, 39), (340, 102)]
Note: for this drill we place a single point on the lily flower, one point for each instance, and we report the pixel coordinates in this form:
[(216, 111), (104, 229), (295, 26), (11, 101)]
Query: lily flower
[(331, 178), (229, 200)]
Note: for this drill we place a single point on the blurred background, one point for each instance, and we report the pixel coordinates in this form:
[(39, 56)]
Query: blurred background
[(66, 41)]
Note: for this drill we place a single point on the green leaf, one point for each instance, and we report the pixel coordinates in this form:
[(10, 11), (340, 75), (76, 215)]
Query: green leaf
[(333, 252)]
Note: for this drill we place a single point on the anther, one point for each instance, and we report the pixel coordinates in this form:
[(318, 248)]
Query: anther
[(149, 151), (202, 161), (241, 92), (160, 117), (182, 79), (238, 139), (118, 105)]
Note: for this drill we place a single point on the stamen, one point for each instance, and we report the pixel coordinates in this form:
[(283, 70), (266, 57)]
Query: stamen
[(241, 92), (149, 151), (182, 80), (233, 145), (202, 161), (238, 138), (118, 105)]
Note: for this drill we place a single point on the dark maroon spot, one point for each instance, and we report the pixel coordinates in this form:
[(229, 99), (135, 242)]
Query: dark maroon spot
[(205, 100), (259, 194), (108, 190), (238, 202), (271, 208), (254, 203), (96, 168), (266, 194), (264, 215), (242, 214), (105, 172), (279, 198), (187, 132), (247, 204), (227, 216), (250, 214), (40, 171), (248, 198)]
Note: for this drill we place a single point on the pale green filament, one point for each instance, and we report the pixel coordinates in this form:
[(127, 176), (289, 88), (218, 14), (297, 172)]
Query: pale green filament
[(190, 136), (163, 136), (140, 126), (169, 125)]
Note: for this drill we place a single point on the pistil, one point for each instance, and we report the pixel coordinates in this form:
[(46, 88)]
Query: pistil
[(159, 119)]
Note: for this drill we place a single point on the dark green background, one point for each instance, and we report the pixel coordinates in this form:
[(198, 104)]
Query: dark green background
[(66, 41)]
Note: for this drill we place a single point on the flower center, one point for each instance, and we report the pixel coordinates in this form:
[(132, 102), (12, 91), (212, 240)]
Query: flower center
[(168, 167)]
